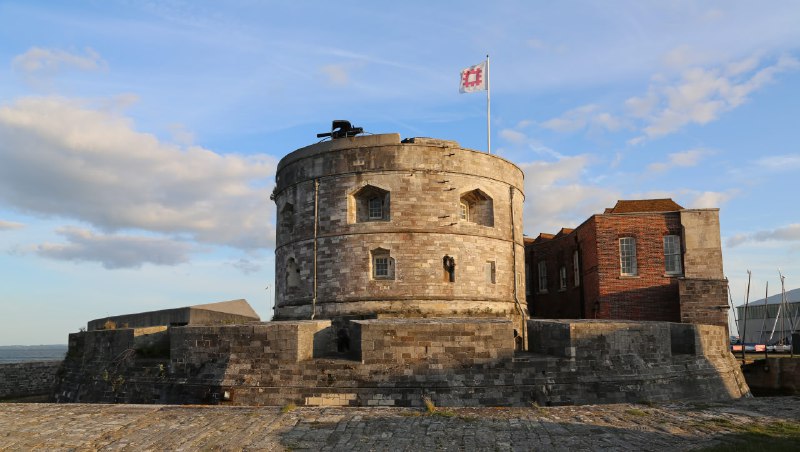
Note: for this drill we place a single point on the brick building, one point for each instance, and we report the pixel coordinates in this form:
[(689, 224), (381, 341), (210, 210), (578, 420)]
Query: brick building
[(640, 260)]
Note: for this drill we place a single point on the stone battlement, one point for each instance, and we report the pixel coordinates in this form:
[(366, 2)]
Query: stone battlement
[(395, 362)]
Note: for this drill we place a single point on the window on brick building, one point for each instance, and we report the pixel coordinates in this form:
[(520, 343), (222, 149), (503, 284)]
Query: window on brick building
[(576, 268), (672, 254), (627, 256), (562, 277), (542, 276), (382, 264)]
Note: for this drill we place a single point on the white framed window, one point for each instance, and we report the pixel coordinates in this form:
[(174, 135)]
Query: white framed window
[(627, 256), (382, 264), (542, 276), (562, 277), (490, 272), (464, 211), (375, 208), (672, 254), (576, 268)]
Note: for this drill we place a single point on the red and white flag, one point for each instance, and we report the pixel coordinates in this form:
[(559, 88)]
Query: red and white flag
[(473, 79)]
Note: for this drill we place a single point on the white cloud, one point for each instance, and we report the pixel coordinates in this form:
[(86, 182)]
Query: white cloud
[(581, 117), (555, 197), (513, 136), (701, 95), (63, 158), (40, 61), (790, 233), (115, 251), (246, 266), (336, 73), (9, 225), (787, 162), (712, 199), (680, 159)]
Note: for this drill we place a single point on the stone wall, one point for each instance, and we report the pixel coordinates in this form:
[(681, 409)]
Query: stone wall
[(704, 301), (456, 362), (27, 379), (702, 246), (420, 182), (774, 376)]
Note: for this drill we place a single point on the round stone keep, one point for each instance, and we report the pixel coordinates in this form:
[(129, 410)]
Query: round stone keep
[(370, 227)]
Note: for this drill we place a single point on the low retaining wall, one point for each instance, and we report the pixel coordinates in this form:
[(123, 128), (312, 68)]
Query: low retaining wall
[(395, 362), (773, 376), (28, 379)]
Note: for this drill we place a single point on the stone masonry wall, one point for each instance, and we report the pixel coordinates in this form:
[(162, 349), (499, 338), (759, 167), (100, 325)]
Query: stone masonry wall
[(702, 246), (425, 180), (27, 379), (456, 362), (704, 301)]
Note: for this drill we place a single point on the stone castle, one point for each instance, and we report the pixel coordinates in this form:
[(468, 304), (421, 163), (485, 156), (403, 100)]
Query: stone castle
[(400, 274)]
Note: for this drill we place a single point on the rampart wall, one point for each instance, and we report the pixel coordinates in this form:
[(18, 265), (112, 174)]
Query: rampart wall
[(27, 379), (395, 362)]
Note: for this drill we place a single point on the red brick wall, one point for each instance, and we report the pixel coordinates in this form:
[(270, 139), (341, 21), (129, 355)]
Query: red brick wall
[(650, 295)]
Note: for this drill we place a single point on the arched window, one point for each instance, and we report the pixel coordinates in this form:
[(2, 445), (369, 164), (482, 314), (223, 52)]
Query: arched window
[(476, 207), (382, 264), (369, 203)]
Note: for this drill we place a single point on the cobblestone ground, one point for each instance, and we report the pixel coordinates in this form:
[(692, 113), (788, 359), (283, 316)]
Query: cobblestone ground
[(602, 427)]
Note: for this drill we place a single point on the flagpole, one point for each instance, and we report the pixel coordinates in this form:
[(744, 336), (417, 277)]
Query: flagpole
[(488, 110)]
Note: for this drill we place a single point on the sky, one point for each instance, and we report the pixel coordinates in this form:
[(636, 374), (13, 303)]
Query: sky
[(139, 139)]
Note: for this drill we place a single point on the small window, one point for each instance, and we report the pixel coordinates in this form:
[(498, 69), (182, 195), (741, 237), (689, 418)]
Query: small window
[(576, 268), (381, 267), (489, 270), (375, 208), (627, 256), (542, 276), (672, 254), (382, 264), (369, 203), (562, 277), (476, 207)]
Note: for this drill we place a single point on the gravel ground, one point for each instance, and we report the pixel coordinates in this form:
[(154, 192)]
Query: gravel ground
[(677, 426)]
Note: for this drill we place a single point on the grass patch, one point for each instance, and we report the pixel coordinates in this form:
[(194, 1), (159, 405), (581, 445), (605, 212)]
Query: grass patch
[(430, 407), (773, 436), (635, 412), (289, 407)]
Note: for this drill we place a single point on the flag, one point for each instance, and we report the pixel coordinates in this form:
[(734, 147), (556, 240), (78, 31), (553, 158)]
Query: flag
[(473, 79)]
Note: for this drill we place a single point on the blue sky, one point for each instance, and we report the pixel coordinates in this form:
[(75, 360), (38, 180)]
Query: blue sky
[(138, 140)]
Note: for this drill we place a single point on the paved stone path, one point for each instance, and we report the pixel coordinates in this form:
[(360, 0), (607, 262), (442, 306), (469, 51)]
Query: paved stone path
[(602, 427)]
